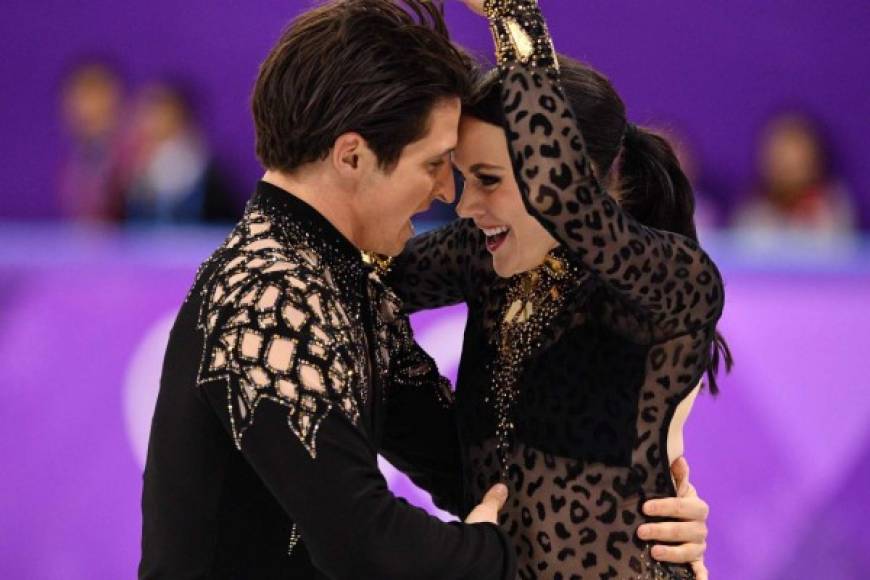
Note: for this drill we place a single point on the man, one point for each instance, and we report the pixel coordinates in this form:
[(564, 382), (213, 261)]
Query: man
[(289, 366), (271, 407)]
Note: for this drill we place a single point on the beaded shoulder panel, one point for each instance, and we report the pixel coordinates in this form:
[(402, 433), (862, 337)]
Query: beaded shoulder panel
[(275, 330)]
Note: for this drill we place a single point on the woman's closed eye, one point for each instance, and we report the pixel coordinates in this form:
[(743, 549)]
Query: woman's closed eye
[(487, 181)]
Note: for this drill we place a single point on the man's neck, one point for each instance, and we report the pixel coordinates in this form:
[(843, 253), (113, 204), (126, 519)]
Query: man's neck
[(320, 193)]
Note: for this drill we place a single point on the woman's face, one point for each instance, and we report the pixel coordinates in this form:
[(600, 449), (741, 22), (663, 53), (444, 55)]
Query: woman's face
[(492, 199)]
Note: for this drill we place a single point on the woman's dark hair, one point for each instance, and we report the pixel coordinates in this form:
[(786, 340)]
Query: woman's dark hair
[(375, 67), (635, 162)]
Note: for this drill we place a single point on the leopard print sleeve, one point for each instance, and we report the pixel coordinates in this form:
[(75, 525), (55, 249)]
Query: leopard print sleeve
[(439, 268), (665, 276)]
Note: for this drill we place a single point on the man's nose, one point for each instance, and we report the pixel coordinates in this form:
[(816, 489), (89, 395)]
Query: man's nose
[(445, 185)]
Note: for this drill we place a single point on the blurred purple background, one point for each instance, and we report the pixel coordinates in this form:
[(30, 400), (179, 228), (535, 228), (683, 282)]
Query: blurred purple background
[(712, 70), (783, 455)]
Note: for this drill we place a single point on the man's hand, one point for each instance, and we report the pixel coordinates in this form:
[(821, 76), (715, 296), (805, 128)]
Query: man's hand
[(690, 529), (487, 510)]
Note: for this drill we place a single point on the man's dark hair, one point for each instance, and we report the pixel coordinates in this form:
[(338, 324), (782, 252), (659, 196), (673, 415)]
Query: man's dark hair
[(374, 67)]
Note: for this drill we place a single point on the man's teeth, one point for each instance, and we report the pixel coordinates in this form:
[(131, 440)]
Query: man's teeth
[(490, 232)]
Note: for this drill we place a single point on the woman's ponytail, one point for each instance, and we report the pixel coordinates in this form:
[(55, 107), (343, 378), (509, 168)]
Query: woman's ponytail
[(654, 188), (656, 192)]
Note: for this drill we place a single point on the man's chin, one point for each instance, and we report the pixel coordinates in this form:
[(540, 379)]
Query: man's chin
[(403, 238), (391, 250), (398, 247)]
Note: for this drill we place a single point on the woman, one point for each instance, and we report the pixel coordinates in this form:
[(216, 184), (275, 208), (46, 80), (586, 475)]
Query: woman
[(592, 310)]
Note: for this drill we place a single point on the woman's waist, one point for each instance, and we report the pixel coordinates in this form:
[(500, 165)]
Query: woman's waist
[(533, 474)]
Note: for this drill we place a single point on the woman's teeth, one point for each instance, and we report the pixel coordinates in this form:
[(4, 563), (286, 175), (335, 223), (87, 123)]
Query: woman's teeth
[(495, 237), (490, 232)]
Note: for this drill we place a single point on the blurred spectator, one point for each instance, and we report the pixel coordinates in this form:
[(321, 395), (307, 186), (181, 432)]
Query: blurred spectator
[(796, 191), (92, 103), (171, 176)]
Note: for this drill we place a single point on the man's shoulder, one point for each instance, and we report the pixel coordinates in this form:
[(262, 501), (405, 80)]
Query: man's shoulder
[(274, 281), (252, 260), (274, 329)]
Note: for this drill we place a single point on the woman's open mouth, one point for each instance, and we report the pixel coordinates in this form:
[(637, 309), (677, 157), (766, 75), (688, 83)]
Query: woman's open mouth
[(495, 237)]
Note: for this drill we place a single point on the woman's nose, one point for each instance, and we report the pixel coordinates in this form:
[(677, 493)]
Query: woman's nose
[(469, 204)]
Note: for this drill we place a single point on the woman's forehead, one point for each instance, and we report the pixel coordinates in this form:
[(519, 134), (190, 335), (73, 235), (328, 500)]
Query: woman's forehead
[(480, 142)]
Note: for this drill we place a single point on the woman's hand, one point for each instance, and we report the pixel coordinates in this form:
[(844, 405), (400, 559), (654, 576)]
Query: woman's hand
[(689, 529), (475, 6)]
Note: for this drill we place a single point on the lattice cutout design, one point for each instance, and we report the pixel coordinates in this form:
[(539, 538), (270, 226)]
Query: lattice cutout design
[(275, 330)]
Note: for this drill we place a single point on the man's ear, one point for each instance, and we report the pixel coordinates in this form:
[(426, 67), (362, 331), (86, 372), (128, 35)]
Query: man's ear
[(351, 156)]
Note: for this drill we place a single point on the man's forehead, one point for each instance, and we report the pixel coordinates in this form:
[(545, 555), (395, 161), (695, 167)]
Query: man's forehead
[(437, 142), (446, 113), (442, 130)]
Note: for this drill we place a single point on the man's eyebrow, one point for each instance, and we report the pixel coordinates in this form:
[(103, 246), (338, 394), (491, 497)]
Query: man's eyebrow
[(445, 152)]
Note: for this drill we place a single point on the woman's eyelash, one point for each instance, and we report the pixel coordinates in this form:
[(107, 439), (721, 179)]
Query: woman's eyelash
[(488, 179)]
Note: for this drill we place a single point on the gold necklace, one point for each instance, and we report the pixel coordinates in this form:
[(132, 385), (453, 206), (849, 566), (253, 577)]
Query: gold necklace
[(533, 300), (380, 263), (524, 296)]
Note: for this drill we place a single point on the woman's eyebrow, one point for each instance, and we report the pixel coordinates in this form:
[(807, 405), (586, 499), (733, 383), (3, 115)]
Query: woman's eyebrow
[(478, 166)]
